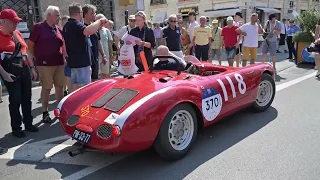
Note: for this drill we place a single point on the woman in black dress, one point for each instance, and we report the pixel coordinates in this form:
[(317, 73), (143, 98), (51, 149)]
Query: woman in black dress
[(147, 42)]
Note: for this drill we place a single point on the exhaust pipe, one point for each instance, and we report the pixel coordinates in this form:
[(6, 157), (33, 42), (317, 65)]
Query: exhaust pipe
[(76, 152)]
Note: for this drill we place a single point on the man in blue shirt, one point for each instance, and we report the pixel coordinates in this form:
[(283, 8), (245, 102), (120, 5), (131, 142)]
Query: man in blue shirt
[(292, 30), (172, 37)]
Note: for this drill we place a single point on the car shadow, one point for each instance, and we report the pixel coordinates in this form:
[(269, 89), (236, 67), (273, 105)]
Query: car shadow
[(278, 78), (210, 142)]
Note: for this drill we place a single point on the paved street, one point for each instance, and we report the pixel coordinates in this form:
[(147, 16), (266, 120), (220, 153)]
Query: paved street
[(281, 143)]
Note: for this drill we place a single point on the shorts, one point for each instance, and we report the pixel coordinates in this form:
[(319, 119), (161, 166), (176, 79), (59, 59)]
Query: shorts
[(239, 50), (95, 70), (270, 47), (252, 51), (216, 52), (231, 54), (81, 76), (51, 75), (202, 52), (105, 68), (67, 71)]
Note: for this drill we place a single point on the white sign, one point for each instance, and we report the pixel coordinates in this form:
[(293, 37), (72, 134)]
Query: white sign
[(211, 103), (140, 5)]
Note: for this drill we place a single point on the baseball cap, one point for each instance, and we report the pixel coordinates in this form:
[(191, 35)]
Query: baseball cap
[(229, 18), (132, 17), (215, 21), (239, 14), (9, 14)]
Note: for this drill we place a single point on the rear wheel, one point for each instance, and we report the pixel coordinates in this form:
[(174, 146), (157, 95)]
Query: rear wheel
[(265, 94), (177, 132)]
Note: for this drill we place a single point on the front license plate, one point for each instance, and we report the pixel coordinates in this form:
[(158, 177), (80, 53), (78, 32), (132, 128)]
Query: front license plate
[(81, 136)]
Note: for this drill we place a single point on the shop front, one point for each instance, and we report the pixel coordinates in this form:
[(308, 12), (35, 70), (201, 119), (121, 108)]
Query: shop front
[(184, 12), (264, 12), (221, 14)]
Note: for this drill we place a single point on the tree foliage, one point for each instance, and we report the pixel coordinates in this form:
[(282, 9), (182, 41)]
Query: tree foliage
[(307, 20)]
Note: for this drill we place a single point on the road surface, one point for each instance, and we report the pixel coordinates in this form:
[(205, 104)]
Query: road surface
[(281, 143)]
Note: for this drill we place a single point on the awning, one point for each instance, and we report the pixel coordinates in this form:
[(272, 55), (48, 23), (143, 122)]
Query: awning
[(159, 16), (221, 13), (269, 10)]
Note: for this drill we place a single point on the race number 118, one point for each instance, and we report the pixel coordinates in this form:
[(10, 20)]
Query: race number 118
[(241, 86)]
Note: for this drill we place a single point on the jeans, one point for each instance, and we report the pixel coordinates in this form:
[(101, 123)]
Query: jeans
[(20, 95), (81, 76)]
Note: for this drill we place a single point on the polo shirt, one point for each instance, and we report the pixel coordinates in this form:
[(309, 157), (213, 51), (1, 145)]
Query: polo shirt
[(172, 38), (230, 36), (48, 44), (95, 38), (76, 44)]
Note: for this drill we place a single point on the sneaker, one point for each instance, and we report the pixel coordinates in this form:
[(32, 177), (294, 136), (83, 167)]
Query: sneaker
[(3, 150), (31, 128), (65, 93), (19, 134), (46, 118)]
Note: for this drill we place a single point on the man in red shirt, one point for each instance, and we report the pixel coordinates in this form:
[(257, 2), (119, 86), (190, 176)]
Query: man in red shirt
[(46, 44), (17, 70), (230, 40)]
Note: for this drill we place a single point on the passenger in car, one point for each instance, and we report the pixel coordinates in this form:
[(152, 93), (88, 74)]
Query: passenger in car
[(168, 63)]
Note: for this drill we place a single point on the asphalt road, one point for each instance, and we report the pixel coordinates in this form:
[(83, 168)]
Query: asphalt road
[(281, 143)]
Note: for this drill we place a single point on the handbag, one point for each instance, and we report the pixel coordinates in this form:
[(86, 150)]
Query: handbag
[(14, 64)]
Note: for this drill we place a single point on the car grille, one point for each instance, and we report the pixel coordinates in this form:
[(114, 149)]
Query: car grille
[(104, 131), (73, 120)]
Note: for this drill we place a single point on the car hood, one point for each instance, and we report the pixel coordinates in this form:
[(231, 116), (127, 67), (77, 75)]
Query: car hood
[(111, 97)]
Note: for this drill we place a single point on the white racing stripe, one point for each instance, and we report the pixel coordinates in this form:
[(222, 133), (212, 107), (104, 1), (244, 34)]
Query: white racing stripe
[(295, 81)]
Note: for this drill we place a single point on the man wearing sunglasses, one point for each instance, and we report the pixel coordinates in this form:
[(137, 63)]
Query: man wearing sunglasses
[(171, 37), (127, 28)]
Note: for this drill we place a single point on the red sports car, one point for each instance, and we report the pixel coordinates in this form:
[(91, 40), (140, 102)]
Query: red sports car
[(162, 108)]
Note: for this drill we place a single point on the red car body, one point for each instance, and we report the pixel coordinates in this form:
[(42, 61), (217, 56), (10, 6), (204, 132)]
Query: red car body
[(135, 126)]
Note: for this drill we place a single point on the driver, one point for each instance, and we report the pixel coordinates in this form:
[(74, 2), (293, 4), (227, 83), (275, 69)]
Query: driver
[(168, 63)]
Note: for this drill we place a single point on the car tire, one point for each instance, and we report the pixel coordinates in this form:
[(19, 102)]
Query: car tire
[(265, 94), (165, 144)]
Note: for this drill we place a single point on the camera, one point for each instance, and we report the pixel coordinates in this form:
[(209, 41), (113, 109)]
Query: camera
[(314, 48)]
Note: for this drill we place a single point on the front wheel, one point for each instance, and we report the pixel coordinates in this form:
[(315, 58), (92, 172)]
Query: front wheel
[(265, 94), (177, 132)]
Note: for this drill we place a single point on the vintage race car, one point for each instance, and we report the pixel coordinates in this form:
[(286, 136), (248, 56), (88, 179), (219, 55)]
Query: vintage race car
[(163, 109)]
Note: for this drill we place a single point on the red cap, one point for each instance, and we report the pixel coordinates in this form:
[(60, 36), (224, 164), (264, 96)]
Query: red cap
[(9, 14)]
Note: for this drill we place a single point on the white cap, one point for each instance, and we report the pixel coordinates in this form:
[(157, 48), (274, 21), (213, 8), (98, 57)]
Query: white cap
[(229, 18)]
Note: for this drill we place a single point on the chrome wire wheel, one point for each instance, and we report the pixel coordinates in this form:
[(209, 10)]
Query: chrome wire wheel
[(181, 129), (265, 93)]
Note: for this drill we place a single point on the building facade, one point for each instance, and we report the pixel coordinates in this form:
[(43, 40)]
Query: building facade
[(32, 11), (159, 10)]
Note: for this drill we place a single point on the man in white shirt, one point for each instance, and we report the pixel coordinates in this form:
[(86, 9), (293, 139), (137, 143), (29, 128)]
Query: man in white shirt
[(237, 22), (193, 24), (250, 32), (127, 28), (283, 35)]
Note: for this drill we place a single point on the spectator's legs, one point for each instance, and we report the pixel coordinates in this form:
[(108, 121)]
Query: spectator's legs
[(198, 52), (317, 61), (253, 55), (246, 52), (59, 81)]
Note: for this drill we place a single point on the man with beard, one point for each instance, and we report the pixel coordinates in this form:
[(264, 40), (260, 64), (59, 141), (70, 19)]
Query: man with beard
[(89, 14)]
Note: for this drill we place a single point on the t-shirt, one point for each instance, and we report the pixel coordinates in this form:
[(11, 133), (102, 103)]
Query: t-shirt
[(251, 39), (191, 28), (106, 36), (235, 23), (230, 36), (202, 35), (48, 44), (269, 29), (172, 38), (76, 44)]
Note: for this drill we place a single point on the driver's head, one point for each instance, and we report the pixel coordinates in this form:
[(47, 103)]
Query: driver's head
[(163, 51)]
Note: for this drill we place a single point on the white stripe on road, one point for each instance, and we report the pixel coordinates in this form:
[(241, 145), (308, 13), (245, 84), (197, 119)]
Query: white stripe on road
[(295, 81)]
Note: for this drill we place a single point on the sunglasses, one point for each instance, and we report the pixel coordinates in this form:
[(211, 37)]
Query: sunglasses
[(173, 21), (131, 20)]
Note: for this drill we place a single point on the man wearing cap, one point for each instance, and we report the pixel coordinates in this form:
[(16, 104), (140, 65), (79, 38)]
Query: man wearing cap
[(127, 28), (292, 30), (230, 40), (271, 30), (17, 71), (216, 42), (237, 22)]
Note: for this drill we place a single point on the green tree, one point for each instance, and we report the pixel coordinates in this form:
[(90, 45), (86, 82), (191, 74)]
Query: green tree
[(307, 21)]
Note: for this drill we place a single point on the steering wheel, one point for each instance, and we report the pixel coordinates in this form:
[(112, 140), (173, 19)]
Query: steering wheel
[(174, 58)]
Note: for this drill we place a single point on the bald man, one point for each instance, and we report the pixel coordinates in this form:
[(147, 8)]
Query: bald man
[(168, 63)]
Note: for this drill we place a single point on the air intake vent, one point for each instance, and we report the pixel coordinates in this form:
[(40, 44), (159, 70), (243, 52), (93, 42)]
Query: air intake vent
[(105, 98), (73, 120), (121, 100), (104, 131)]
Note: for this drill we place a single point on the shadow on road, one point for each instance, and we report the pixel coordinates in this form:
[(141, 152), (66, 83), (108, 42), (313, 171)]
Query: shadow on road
[(211, 141)]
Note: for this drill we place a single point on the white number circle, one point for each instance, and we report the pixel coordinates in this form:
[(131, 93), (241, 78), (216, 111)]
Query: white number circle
[(241, 84), (211, 103)]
